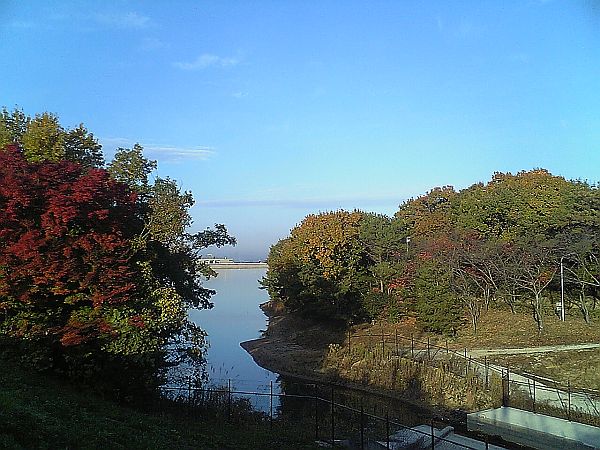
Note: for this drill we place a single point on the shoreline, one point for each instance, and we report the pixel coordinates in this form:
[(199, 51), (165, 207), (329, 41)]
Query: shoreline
[(238, 265), (295, 348)]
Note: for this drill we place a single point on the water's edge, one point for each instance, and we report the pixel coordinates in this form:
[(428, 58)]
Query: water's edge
[(279, 353)]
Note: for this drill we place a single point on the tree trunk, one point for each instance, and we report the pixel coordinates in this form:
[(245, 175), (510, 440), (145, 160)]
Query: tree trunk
[(537, 312), (583, 306)]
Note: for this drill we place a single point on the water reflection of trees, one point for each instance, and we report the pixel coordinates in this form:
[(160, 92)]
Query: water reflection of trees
[(308, 405)]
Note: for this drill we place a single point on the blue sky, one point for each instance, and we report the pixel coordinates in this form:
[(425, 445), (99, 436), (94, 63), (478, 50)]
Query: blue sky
[(269, 111)]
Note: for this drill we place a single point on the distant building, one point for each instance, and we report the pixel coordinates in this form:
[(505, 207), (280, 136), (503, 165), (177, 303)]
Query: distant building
[(211, 260)]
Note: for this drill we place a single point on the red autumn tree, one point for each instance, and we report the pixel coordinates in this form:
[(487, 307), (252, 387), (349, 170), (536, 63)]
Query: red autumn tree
[(65, 255)]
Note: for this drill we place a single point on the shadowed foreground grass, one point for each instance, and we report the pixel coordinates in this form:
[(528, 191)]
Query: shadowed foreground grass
[(40, 412)]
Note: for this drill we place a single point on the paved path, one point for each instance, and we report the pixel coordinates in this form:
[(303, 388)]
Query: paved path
[(544, 349), (544, 390)]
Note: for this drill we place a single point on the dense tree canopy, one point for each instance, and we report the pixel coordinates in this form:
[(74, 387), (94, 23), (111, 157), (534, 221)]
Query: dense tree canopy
[(97, 269), (321, 267), (446, 256)]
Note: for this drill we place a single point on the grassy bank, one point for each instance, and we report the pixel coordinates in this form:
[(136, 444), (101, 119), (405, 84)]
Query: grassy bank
[(41, 412), (501, 329), (435, 385)]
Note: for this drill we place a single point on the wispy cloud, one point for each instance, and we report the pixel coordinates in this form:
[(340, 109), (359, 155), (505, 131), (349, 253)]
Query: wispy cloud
[(127, 20), (171, 153), (151, 44), (22, 24), (205, 61), (87, 21), (303, 203), (163, 152)]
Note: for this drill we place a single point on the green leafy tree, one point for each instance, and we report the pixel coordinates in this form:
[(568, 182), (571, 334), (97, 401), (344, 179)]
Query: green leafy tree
[(82, 147), (512, 206), (325, 252), (283, 281), (430, 215), (382, 238), (129, 166), (436, 305), (43, 139), (12, 126)]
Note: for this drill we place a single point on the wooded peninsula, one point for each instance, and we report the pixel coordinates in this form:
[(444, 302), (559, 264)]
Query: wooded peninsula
[(527, 241)]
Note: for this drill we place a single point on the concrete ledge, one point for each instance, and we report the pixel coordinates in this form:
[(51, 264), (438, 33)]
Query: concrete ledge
[(534, 430)]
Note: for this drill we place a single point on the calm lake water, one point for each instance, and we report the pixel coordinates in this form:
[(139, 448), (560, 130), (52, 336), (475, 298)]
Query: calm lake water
[(236, 317)]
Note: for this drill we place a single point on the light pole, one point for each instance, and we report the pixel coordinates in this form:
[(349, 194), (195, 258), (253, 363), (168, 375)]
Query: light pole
[(562, 290), (407, 241)]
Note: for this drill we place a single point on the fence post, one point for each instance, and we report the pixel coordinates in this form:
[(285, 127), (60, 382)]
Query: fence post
[(569, 392), (349, 341), (387, 430), (332, 420), (432, 436), (362, 424), (534, 411), (316, 415), (428, 350), (485, 364), (508, 386), (503, 389), (412, 346), (271, 406), (229, 399)]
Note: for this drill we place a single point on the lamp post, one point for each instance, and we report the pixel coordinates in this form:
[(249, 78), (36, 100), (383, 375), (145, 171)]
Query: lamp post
[(562, 290), (407, 241)]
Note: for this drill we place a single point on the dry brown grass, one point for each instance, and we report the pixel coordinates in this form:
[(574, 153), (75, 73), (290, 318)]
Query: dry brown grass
[(429, 383), (499, 328), (502, 329), (580, 368)]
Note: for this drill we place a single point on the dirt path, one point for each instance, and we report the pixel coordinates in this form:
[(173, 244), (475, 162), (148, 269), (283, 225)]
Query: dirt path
[(528, 350)]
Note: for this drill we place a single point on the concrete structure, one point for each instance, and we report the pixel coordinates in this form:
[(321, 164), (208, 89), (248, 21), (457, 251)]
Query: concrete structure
[(228, 263), (212, 261), (419, 438), (534, 430), (239, 265)]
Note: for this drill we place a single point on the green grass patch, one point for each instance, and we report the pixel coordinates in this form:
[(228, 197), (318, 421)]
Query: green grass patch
[(41, 412)]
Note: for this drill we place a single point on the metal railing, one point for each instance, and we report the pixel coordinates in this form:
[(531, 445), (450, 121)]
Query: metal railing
[(522, 390), (314, 416)]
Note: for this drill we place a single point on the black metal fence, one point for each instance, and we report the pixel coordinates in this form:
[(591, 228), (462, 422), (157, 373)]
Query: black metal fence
[(521, 390), (316, 414)]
